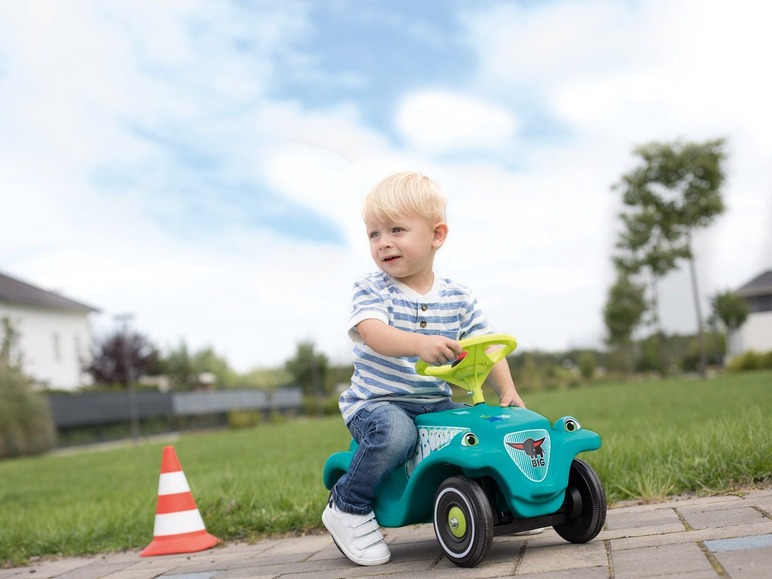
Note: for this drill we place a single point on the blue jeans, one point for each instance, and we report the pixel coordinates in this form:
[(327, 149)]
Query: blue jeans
[(387, 437)]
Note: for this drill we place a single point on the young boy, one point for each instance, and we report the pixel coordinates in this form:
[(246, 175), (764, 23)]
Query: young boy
[(401, 313)]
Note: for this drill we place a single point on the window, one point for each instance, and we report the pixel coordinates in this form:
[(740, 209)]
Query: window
[(760, 303)]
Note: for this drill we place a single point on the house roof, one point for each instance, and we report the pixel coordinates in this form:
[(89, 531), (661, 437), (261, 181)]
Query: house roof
[(760, 285), (17, 292)]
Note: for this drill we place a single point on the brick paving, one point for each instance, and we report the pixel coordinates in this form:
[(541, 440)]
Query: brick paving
[(725, 536)]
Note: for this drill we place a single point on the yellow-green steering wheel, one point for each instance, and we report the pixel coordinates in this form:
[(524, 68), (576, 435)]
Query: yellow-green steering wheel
[(471, 367)]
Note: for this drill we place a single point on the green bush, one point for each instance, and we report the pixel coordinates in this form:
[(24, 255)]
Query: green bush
[(746, 361), (238, 419), (327, 406), (587, 365), (561, 377), (26, 426)]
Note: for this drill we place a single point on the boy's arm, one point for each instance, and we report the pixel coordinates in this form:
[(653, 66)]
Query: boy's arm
[(390, 341), (501, 381)]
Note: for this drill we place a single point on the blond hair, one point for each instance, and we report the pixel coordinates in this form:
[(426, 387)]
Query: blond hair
[(406, 193)]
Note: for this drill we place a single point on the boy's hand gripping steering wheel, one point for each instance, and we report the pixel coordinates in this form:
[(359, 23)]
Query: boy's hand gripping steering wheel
[(472, 366)]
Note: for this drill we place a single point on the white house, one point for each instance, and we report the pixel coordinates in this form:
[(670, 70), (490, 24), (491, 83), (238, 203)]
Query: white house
[(756, 332), (54, 333)]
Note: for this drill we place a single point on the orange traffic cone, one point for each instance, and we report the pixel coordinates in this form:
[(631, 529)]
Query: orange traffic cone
[(179, 527)]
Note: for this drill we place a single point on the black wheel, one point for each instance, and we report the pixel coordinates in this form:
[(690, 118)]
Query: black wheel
[(463, 521), (585, 504)]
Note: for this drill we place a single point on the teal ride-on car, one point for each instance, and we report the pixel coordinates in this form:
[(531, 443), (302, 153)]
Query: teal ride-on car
[(481, 470)]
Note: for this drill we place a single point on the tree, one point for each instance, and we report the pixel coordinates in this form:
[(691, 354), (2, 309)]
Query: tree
[(647, 245), (266, 378), (674, 191), (732, 311), (177, 366), (624, 309), (207, 361), (308, 368), (8, 353), (122, 358), (587, 365), (184, 369)]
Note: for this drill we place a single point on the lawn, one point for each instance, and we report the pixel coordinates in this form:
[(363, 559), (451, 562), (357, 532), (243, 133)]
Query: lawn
[(659, 438)]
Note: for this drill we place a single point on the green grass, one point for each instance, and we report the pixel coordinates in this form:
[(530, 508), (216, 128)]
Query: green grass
[(659, 439), (676, 436)]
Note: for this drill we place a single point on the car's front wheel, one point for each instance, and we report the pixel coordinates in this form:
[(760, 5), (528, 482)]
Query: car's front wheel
[(463, 521), (585, 504)]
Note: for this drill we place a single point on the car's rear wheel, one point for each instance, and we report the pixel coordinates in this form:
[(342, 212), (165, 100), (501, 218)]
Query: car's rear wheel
[(463, 521), (585, 505)]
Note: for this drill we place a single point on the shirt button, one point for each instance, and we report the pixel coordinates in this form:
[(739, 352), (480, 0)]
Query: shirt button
[(423, 307), (423, 323)]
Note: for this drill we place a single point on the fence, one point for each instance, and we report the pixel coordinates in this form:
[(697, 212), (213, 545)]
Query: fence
[(106, 408)]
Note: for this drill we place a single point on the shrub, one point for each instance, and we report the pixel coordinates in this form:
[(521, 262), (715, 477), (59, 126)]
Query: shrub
[(238, 419), (749, 360), (26, 426), (326, 406), (587, 365)]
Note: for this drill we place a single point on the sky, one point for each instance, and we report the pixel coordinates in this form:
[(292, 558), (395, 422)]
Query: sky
[(201, 165)]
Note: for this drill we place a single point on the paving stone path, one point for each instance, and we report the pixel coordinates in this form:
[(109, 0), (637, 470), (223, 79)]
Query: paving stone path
[(727, 536)]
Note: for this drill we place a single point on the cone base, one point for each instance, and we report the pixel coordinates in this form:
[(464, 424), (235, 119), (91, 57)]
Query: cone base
[(182, 543)]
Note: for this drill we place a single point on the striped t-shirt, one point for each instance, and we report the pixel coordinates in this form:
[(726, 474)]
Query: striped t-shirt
[(448, 309)]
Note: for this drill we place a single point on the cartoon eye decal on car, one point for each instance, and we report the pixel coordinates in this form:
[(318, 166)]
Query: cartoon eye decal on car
[(571, 425), (470, 439)]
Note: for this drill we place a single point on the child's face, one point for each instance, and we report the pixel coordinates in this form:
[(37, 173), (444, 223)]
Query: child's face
[(405, 247)]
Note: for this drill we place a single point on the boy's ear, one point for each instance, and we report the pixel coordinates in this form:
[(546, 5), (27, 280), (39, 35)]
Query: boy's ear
[(439, 234)]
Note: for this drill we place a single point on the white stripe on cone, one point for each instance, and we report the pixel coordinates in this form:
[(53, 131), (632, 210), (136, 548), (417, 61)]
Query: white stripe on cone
[(172, 483), (177, 523)]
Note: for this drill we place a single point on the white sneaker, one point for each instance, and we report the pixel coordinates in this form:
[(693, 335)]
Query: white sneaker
[(357, 536)]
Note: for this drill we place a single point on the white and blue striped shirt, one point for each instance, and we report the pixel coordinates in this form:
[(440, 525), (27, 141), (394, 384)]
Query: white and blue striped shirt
[(449, 309)]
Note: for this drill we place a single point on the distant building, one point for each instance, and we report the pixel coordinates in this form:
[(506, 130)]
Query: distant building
[(756, 332), (54, 333)]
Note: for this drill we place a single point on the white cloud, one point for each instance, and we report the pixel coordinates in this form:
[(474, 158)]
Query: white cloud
[(538, 48), (440, 121)]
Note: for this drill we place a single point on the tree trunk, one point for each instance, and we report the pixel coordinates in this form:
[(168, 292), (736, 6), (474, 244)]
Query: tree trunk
[(703, 365), (662, 361)]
